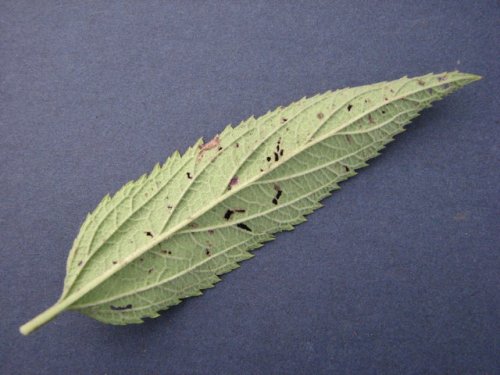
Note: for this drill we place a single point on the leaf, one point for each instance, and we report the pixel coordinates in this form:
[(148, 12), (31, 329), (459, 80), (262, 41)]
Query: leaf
[(168, 235)]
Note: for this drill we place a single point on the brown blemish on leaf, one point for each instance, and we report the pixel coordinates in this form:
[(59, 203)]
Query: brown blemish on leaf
[(320, 115), (283, 120), (119, 308), (243, 226), (169, 207), (421, 82), (370, 119), (240, 210), (214, 142), (443, 78), (210, 231), (349, 138), (237, 145), (193, 225), (233, 181), (115, 262), (80, 263), (228, 214), (150, 270)]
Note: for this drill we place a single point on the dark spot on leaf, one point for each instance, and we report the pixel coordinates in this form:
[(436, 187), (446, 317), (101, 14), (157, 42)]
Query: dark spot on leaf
[(370, 119), (228, 214), (346, 168), (142, 259), (268, 158), (149, 234), (261, 170), (349, 138), (220, 148), (283, 120), (421, 82), (207, 252), (276, 157), (392, 90), (210, 231), (115, 262), (320, 115), (169, 207), (188, 174), (169, 252), (233, 181), (150, 270), (80, 263), (237, 145), (193, 225), (446, 86), (442, 78), (383, 112), (239, 210), (118, 308), (430, 91), (281, 152), (163, 251), (278, 194), (386, 99), (349, 107), (243, 226)]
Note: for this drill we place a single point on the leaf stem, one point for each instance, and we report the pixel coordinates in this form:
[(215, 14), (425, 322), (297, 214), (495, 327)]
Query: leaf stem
[(43, 318)]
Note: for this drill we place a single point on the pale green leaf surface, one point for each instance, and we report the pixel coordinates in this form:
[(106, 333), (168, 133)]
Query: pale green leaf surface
[(168, 235)]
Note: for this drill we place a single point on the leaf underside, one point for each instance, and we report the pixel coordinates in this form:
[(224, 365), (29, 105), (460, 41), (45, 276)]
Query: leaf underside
[(168, 235)]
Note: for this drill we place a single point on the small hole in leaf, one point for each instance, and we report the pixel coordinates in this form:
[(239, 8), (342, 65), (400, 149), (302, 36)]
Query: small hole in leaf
[(149, 234), (188, 174), (268, 158), (228, 214), (243, 226), (118, 308), (349, 107)]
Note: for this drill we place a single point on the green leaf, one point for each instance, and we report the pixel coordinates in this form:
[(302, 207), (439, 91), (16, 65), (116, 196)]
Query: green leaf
[(168, 235)]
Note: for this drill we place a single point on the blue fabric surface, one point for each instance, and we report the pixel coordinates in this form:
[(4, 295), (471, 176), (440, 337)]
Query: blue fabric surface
[(397, 274)]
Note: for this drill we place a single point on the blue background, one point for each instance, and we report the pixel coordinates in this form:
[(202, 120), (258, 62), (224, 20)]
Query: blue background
[(397, 274)]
